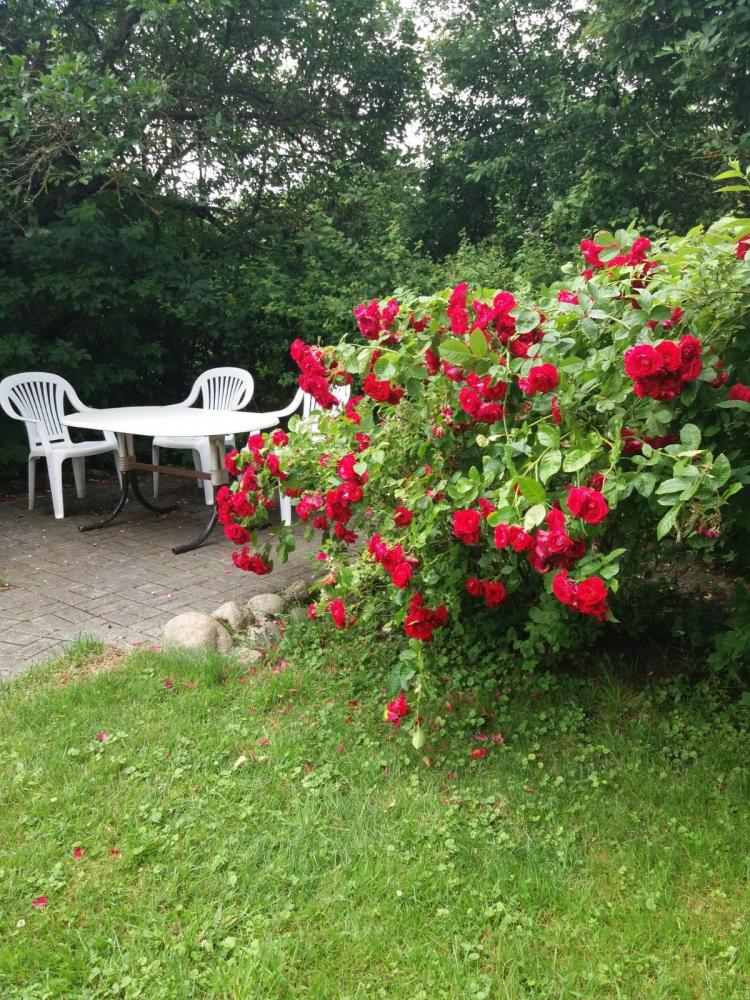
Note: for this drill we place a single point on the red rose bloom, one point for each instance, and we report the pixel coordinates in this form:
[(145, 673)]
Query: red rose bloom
[(474, 586), (466, 524), (740, 392), (401, 575), (236, 534), (376, 389), (494, 593), (280, 438), (457, 314), (230, 462), (402, 517), (670, 355), (541, 378), (420, 621), (478, 752), (641, 361), (338, 613), (589, 596), (587, 503), (691, 361), (397, 709)]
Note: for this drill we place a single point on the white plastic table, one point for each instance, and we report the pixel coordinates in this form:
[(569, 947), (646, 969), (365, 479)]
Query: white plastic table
[(128, 422)]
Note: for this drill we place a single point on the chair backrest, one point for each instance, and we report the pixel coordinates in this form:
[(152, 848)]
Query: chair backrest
[(311, 409), (309, 405), (38, 399), (224, 389)]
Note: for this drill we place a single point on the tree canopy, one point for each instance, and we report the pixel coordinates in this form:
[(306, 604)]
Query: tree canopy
[(188, 182)]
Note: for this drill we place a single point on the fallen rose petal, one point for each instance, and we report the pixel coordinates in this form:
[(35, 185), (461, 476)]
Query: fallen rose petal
[(40, 902), (78, 853), (102, 737), (168, 682)]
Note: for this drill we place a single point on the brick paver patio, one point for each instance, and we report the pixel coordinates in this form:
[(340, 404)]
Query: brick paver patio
[(120, 584)]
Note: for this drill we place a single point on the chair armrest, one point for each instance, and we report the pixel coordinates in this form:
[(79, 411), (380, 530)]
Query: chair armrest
[(294, 405), (75, 401)]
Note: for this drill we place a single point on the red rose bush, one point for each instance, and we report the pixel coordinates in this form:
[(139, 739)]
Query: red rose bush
[(498, 455)]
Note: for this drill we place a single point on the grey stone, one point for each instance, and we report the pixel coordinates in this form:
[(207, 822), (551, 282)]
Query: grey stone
[(264, 606), (231, 614), (298, 590), (266, 634), (247, 656), (194, 630)]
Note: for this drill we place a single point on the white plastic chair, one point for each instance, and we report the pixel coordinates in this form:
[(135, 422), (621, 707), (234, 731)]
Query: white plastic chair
[(310, 411), (219, 389), (38, 398)]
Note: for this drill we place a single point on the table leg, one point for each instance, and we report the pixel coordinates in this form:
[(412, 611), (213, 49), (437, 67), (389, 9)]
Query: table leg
[(121, 501), (125, 454), (143, 501), (197, 542), (218, 477)]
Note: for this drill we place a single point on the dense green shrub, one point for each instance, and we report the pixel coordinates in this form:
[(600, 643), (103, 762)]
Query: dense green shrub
[(521, 455)]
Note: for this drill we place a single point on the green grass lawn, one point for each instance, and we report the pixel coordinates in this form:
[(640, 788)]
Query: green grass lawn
[(267, 835)]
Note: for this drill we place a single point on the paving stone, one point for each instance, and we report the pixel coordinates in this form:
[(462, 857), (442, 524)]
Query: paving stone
[(112, 584)]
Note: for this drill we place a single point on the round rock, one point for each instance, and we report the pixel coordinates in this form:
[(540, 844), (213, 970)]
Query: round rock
[(266, 634), (194, 630), (264, 606), (232, 615), (297, 590)]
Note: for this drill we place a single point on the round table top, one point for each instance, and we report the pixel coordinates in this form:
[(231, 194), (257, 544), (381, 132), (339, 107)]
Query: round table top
[(171, 421)]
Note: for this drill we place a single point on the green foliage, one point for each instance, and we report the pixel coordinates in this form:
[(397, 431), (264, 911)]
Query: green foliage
[(560, 117), (449, 446)]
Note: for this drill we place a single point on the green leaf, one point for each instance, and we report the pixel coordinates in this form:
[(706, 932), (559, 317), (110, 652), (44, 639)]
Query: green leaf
[(721, 470), (526, 320), (478, 344), (531, 490), (418, 738), (672, 485), (549, 465), (548, 436), (386, 366), (534, 516), (645, 483), (455, 351), (734, 404), (690, 436), (726, 174), (660, 313), (576, 459), (667, 523)]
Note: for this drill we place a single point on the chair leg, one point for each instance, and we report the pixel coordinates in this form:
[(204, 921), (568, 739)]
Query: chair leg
[(204, 458), (117, 469), (32, 480), (54, 472), (197, 466), (155, 461), (285, 509), (79, 474)]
